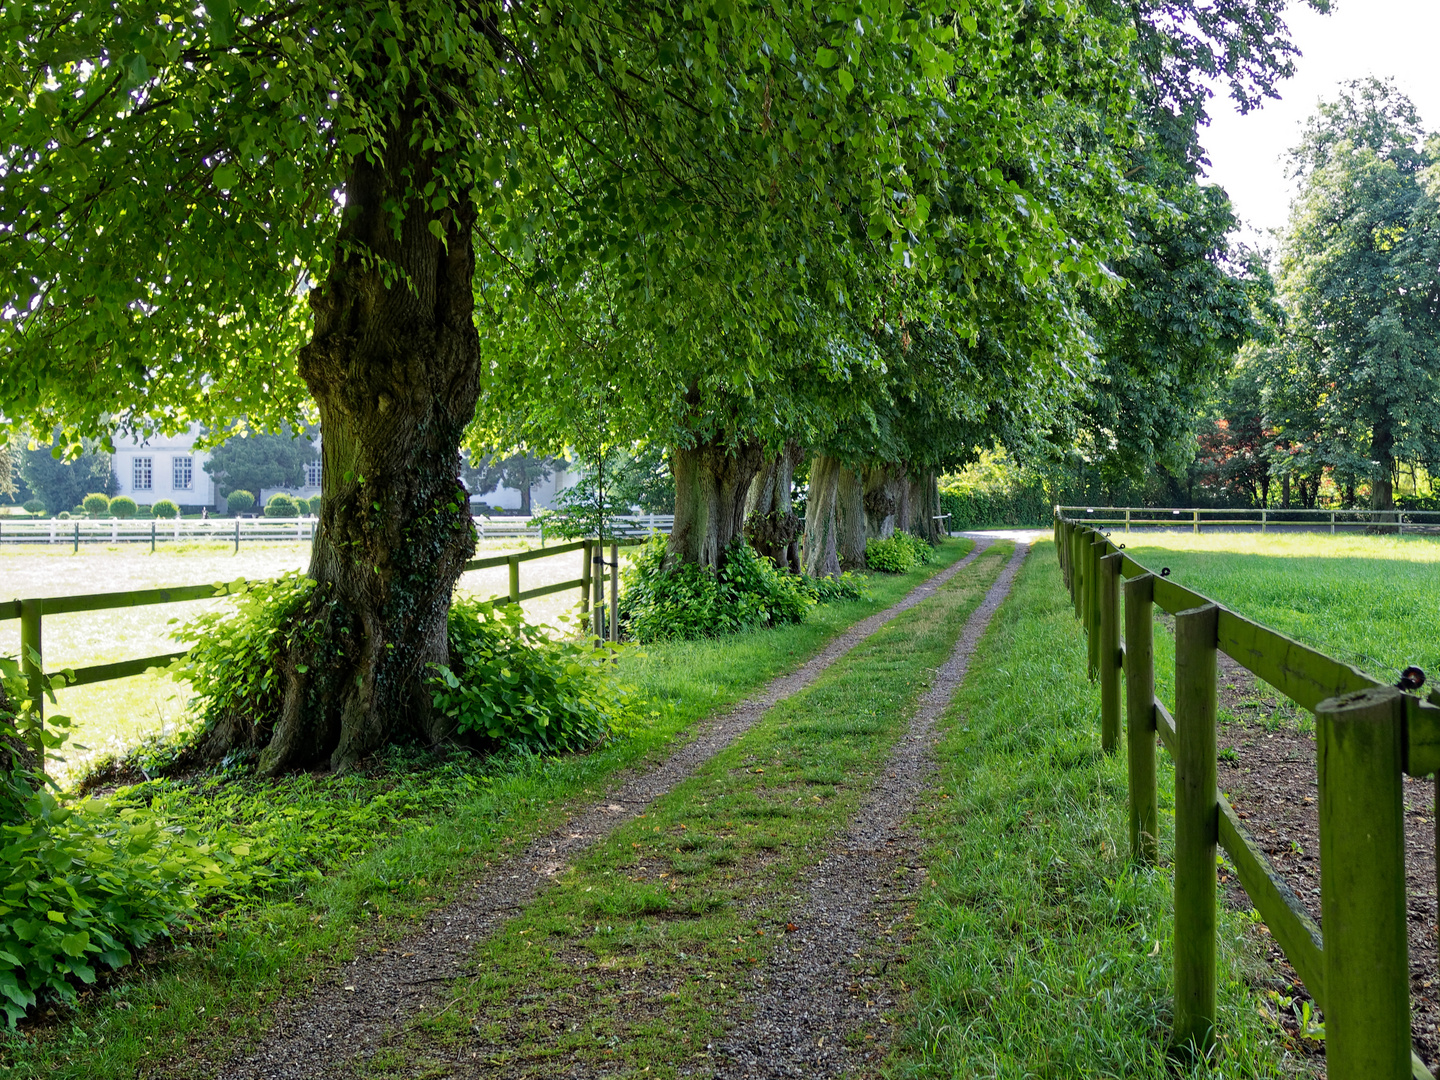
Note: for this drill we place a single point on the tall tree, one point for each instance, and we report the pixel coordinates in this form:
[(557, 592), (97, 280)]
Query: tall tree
[(258, 460), (62, 474), (1359, 281), (195, 195)]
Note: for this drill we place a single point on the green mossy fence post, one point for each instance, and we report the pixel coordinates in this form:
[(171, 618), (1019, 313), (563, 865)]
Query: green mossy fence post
[(1109, 589), (614, 592), (1140, 718), (1360, 753), (1197, 825), (514, 564), (1094, 548), (585, 571), (32, 664), (1077, 573)]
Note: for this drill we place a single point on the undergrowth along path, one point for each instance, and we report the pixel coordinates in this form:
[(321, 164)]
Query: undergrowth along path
[(348, 1015), (809, 1017)]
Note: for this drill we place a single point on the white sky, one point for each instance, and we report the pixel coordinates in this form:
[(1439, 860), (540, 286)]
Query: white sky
[(1394, 38)]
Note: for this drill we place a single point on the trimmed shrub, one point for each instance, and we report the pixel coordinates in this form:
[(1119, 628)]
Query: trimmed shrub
[(122, 506), (689, 601), (282, 506), (165, 509), (312, 506), (95, 504), (63, 515), (34, 506), (898, 553), (237, 502), (509, 681)]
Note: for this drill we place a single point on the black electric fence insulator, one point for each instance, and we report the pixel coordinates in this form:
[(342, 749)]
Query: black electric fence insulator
[(1164, 571), (1412, 678)]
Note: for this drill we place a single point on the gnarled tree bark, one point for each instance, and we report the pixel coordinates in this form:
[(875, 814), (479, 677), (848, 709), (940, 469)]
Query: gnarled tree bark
[(925, 506), (850, 519), (711, 482), (822, 558), (771, 525), (886, 488), (394, 365)]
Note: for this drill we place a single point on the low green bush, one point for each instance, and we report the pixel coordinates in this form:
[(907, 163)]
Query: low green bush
[(282, 506), (237, 502), (165, 509), (122, 506), (509, 681), (312, 506), (687, 602), (231, 667), (899, 553), (81, 886), (63, 515), (34, 506), (95, 504)]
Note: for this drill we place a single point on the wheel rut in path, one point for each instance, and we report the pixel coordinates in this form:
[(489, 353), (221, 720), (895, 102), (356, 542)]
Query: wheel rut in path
[(824, 986), (359, 1003)]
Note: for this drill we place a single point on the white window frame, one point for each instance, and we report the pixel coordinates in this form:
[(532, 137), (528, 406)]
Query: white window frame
[(182, 472), (312, 474), (142, 474)]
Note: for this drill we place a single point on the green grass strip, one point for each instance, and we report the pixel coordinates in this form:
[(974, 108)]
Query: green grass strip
[(374, 875), (633, 962), (1046, 953)]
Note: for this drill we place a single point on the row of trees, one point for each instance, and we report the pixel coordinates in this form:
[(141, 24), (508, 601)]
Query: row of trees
[(873, 238), (1338, 391)]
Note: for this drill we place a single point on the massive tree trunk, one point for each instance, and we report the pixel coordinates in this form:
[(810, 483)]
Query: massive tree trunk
[(850, 520), (822, 557), (925, 506), (1382, 487), (886, 488), (770, 522), (393, 363), (1382, 453), (711, 483)]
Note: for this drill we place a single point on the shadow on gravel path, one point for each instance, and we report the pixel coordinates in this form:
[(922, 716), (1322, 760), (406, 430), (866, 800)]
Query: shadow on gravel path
[(351, 1012)]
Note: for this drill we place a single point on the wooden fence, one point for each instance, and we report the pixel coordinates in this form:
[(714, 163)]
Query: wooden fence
[(1263, 518), (590, 583), (77, 531), (1368, 737)]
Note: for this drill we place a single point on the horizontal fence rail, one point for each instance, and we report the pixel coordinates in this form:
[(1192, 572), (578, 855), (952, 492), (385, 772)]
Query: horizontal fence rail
[(1368, 736), (31, 612), (76, 531), (1264, 519)]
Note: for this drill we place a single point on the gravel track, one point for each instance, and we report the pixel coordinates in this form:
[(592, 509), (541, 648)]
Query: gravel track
[(820, 1011), (356, 1005)]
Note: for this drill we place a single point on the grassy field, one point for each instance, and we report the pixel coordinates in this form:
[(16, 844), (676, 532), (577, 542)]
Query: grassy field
[(1046, 952), (1372, 601), (355, 879), (113, 716)]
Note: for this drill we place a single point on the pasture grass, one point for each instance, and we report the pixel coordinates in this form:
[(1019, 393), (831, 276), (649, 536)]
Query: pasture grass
[(1371, 601), (1046, 953), (378, 878)]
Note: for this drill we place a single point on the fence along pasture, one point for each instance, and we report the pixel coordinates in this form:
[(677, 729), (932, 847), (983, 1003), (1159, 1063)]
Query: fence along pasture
[(1368, 737), (31, 613), (77, 531)]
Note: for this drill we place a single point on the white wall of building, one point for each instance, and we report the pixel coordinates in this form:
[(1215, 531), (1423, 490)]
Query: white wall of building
[(542, 494), (164, 467)]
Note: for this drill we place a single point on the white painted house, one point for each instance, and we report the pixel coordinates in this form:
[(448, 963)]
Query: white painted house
[(164, 467), (169, 467)]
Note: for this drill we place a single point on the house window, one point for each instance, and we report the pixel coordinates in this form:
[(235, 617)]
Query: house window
[(141, 474), (312, 474), (184, 473)]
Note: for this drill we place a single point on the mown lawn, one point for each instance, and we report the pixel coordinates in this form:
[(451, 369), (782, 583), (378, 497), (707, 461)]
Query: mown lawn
[(359, 860)]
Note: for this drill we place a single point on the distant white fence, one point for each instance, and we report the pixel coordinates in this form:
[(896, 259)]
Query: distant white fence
[(77, 531)]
